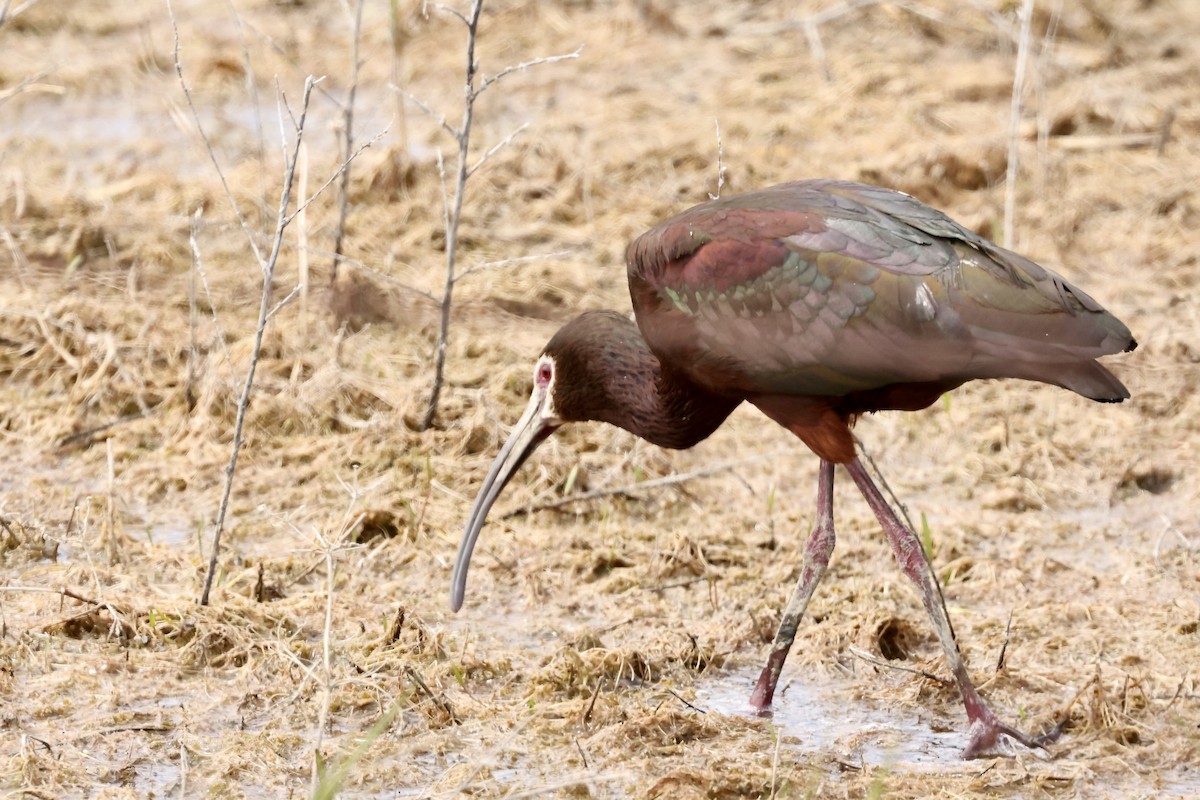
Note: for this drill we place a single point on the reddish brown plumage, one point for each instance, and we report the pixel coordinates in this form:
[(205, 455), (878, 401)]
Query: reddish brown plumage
[(819, 301)]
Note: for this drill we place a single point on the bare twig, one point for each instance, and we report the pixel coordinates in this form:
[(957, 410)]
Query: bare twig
[(19, 261), (198, 264), (587, 715), (285, 301), (997, 19), (256, 111), (302, 239), (212, 154), (679, 697), (30, 83), (79, 436), (508, 262), (48, 590), (329, 550), (441, 167), (439, 700), (879, 662), (445, 9), (399, 36), (1117, 141), (305, 202), (440, 119), (488, 82), (496, 148), (358, 265), (42, 322), (291, 143), (268, 269), (393, 280), (454, 215), (473, 87), (812, 32), (1004, 647), (324, 783), (632, 488)]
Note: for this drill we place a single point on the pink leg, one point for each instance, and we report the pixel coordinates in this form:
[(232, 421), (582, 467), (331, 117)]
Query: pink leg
[(986, 728), (817, 551)]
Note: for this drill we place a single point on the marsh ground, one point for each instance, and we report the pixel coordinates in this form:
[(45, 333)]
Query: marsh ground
[(608, 644)]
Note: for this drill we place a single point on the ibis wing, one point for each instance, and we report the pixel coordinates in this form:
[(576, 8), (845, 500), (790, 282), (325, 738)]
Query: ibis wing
[(830, 288)]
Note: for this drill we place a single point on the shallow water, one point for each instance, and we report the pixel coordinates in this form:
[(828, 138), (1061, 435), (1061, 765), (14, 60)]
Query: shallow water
[(824, 718)]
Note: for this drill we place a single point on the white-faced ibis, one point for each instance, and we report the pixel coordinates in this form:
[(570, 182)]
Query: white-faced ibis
[(816, 301)]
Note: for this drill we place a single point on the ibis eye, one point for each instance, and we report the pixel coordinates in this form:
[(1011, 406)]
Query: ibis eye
[(543, 374)]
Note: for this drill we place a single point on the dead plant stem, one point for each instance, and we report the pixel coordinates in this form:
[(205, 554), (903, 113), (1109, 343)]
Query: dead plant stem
[(264, 310), (347, 137), (212, 154), (879, 662), (326, 661), (183, 769), (189, 389), (775, 762), (114, 552), (473, 87), (631, 488), (266, 264), (198, 265), (1025, 15), (7, 12), (463, 135), (84, 435), (255, 106)]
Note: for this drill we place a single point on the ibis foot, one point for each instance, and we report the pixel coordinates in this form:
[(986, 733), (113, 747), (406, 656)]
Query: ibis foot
[(986, 730)]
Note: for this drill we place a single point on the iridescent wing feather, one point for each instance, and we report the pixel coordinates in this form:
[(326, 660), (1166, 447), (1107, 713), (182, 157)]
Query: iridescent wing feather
[(827, 288)]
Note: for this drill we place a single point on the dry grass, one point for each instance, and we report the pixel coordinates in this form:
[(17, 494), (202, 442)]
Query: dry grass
[(604, 642)]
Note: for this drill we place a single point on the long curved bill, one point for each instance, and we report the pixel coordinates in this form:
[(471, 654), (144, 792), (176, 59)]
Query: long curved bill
[(530, 431)]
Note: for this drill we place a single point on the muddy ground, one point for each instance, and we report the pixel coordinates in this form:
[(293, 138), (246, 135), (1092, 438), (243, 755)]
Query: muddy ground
[(608, 644)]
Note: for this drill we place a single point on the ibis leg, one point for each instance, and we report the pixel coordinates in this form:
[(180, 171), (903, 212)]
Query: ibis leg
[(986, 728), (817, 551)]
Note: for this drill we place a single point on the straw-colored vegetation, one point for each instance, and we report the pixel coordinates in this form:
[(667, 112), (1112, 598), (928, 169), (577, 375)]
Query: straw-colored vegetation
[(607, 645)]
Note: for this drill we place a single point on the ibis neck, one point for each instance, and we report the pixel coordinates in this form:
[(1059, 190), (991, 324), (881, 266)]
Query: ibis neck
[(677, 414), (607, 373)]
